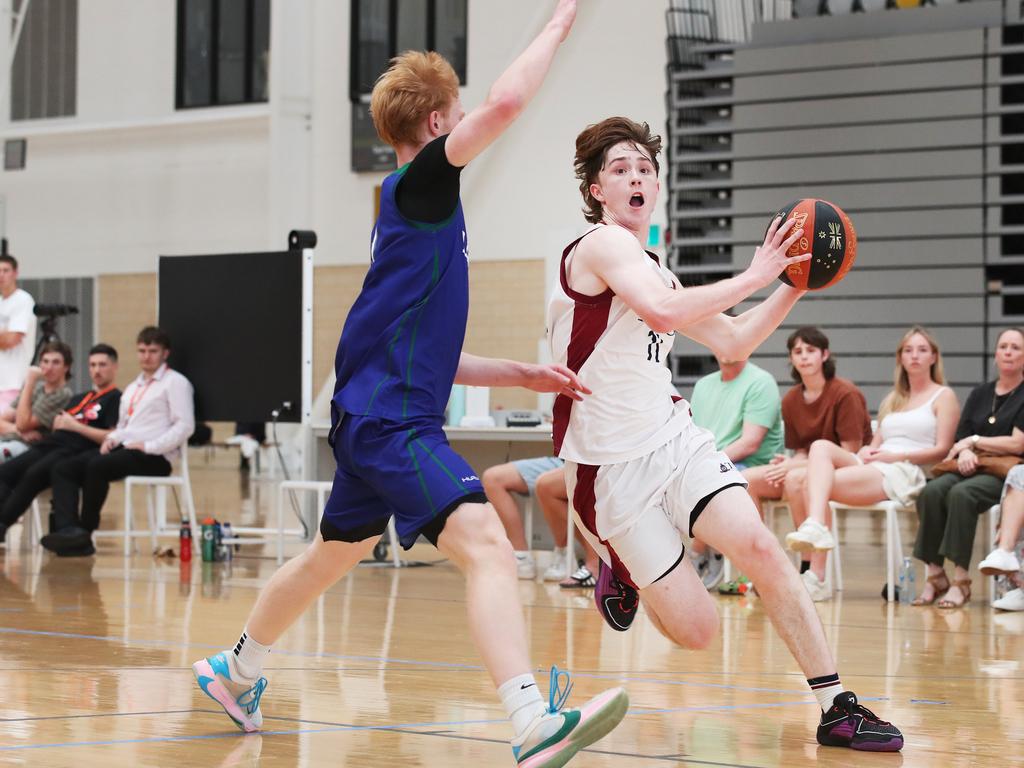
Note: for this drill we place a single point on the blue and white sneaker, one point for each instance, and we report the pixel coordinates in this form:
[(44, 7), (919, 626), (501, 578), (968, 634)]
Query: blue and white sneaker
[(554, 738), (240, 699)]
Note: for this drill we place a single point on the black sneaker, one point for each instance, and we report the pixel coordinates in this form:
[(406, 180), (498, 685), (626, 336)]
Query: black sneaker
[(616, 600), (848, 724), (66, 539), (83, 551)]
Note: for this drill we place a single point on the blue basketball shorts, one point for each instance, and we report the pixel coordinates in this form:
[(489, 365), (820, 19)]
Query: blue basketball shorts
[(405, 469)]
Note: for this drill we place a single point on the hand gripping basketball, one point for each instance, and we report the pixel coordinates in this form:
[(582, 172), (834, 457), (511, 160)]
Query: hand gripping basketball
[(776, 253), (828, 235)]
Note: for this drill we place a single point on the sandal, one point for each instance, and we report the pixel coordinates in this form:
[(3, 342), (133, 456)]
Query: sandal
[(940, 586), (965, 590)]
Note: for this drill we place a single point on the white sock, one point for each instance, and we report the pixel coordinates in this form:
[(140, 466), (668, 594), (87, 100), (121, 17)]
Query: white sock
[(825, 690), (522, 701), (249, 656)]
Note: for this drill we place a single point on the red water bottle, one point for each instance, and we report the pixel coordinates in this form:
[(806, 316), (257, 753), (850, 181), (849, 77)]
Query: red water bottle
[(185, 541)]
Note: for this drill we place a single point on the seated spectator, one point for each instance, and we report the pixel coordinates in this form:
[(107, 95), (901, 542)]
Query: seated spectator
[(916, 422), (821, 406), (83, 426), (17, 331), (992, 421), (521, 477), (44, 394), (740, 406), (1004, 560), (156, 417)]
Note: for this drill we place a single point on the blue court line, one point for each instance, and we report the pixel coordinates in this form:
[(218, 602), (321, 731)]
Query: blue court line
[(381, 660), (239, 734)]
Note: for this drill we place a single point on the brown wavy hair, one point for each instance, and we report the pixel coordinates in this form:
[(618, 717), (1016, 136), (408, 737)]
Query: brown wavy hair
[(592, 147)]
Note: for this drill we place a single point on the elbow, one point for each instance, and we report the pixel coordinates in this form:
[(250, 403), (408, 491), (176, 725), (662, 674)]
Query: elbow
[(506, 106)]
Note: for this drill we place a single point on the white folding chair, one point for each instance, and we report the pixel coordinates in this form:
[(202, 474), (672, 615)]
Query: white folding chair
[(321, 488), (156, 506), (893, 540), (32, 528)]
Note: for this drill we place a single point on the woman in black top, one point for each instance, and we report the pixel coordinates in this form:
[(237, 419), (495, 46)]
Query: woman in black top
[(992, 421)]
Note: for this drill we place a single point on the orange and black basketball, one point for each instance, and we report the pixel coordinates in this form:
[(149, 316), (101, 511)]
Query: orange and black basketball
[(828, 236)]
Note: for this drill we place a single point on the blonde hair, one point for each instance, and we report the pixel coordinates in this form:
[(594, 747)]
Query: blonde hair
[(413, 86), (900, 395)]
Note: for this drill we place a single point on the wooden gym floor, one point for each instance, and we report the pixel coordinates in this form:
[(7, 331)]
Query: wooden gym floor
[(95, 658)]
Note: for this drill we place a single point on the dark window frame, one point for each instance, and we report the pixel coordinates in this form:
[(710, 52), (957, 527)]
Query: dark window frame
[(355, 94), (250, 53)]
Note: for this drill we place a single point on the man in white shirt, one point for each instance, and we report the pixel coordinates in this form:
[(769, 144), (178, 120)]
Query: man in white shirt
[(156, 416), (17, 331)]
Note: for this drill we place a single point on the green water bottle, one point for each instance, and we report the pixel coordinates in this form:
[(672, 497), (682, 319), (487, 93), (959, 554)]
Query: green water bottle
[(209, 542)]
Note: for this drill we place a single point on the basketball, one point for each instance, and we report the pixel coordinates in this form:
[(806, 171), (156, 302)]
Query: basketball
[(828, 235)]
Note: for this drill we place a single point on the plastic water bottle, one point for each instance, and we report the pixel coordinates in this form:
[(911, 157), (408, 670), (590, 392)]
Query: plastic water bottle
[(907, 586), (185, 541)]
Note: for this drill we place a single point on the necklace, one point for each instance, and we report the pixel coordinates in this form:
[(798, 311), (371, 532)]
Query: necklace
[(995, 408)]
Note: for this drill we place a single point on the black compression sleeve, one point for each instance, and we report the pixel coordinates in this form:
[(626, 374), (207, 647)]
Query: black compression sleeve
[(429, 190)]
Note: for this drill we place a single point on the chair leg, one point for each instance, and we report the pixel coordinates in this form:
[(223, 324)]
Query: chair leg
[(127, 519), (528, 521), (280, 525), (151, 512), (837, 558), (394, 543), (891, 553)]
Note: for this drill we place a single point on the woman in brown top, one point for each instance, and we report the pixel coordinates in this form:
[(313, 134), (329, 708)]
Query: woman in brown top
[(821, 406)]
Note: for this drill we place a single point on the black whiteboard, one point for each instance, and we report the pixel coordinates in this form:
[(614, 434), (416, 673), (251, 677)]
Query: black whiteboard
[(235, 322)]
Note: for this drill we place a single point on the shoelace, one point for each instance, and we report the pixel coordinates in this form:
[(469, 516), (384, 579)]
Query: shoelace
[(856, 708), (556, 696), (628, 598), (250, 700)]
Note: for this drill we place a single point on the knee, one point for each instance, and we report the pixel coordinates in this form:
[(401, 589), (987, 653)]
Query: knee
[(794, 483), (694, 631), (492, 479), (958, 498), (820, 449), (477, 537), (758, 551)]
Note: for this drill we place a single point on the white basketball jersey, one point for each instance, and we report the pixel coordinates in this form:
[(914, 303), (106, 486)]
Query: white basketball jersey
[(631, 411)]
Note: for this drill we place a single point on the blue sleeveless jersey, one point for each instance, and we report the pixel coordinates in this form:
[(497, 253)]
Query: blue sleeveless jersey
[(400, 347)]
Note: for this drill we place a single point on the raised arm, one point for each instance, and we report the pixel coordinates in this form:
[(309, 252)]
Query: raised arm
[(511, 92), (614, 256)]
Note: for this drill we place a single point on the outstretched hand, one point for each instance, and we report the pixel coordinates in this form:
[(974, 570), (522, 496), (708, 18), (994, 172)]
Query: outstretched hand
[(770, 259), (555, 378)]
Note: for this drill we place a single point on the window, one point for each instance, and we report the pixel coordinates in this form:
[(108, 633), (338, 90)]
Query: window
[(44, 70), (382, 29), (223, 52)]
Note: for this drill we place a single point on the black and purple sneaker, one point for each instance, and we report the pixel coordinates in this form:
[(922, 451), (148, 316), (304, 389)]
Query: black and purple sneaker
[(848, 724), (616, 600)]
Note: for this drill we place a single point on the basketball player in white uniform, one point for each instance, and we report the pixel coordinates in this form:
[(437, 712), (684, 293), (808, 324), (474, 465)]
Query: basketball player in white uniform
[(641, 476)]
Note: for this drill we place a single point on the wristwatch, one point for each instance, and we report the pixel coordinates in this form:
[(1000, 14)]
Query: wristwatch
[(974, 440)]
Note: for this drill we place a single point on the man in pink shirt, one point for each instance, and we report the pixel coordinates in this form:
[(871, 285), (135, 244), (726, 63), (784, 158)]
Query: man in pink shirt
[(156, 417)]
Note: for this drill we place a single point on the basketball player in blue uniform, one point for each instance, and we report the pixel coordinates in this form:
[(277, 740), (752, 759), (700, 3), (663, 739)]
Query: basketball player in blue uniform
[(399, 354)]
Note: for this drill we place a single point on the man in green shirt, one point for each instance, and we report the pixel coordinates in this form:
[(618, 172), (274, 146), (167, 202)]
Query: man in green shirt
[(741, 407)]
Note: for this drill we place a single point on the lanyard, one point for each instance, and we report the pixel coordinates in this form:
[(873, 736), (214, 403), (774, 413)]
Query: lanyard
[(92, 395), (137, 395)]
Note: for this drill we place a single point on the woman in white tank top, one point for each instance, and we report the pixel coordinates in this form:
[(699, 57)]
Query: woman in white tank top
[(916, 427)]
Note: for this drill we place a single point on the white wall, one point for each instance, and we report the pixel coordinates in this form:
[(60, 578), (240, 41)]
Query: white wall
[(130, 178)]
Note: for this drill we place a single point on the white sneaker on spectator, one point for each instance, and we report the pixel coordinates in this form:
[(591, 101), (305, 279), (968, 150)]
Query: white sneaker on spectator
[(1011, 601), (816, 588), (525, 566), (811, 535), (998, 562), (714, 569), (556, 570)]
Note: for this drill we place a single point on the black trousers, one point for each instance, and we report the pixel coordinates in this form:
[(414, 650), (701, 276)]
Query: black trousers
[(25, 476), (89, 475)]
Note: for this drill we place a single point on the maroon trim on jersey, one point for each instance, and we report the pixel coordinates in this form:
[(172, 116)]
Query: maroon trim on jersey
[(584, 501), (589, 322), (604, 296)]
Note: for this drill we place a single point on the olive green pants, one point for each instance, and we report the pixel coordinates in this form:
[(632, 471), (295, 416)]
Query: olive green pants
[(948, 508)]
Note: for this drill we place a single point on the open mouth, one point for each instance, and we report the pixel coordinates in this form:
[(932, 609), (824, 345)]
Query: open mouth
[(636, 201)]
